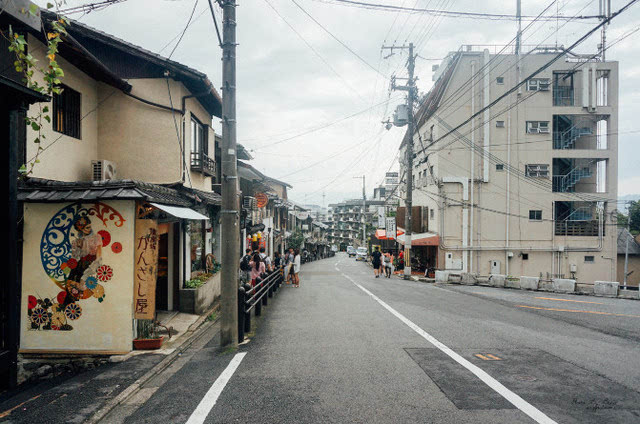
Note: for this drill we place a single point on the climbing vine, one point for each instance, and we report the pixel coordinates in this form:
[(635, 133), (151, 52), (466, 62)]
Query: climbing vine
[(27, 65)]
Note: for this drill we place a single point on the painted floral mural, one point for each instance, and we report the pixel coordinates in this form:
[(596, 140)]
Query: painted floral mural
[(71, 254)]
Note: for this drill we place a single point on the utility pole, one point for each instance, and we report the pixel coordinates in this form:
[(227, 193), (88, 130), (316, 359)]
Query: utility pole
[(364, 207), (230, 204), (411, 89), (626, 248)]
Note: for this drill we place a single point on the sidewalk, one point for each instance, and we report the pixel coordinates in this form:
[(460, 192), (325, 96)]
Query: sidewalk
[(76, 398)]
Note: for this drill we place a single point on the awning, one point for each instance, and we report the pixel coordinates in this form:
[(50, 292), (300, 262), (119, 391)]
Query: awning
[(422, 239), (178, 212)]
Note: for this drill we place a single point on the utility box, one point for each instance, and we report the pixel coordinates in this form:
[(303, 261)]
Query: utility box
[(401, 115), (495, 267), (451, 263)]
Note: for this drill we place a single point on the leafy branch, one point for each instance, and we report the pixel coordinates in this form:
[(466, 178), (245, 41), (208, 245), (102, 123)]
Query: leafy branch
[(27, 65)]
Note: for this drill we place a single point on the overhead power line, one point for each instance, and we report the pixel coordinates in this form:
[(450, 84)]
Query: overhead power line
[(338, 40), (195, 4), (446, 13)]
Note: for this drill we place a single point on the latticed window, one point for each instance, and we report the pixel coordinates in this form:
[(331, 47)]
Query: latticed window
[(538, 84), (537, 170), (66, 112)]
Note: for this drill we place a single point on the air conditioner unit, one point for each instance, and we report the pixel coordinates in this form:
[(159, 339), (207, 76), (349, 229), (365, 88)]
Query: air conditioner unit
[(103, 170), (249, 203)]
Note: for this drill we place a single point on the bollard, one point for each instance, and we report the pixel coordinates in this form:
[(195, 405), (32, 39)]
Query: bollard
[(257, 303), (241, 300), (247, 315), (271, 284), (265, 296)]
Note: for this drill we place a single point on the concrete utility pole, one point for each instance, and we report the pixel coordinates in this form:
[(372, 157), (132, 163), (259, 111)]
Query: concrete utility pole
[(626, 247), (364, 207), (230, 204), (410, 87)]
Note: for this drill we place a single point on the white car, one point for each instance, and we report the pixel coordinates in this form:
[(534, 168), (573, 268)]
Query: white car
[(351, 251), (361, 254)]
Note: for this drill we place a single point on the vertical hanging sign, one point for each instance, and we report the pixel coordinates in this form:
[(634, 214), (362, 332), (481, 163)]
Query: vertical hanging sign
[(145, 269), (391, 227)]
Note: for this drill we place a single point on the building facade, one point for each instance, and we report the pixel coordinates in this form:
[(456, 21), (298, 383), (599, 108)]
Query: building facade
[(528, 186)]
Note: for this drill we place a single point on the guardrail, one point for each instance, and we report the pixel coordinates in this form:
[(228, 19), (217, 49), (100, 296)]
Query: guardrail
[(254, 297)]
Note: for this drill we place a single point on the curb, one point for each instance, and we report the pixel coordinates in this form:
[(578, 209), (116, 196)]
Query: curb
[(195, 331)]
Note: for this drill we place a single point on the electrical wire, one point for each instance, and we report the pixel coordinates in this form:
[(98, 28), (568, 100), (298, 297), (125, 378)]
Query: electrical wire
[(195, 4)]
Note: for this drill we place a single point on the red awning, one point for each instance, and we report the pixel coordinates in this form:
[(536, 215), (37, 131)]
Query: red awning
[(422, 239)]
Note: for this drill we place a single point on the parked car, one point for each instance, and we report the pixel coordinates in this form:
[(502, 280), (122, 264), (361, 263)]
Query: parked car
[(361, 254), (351, 251)]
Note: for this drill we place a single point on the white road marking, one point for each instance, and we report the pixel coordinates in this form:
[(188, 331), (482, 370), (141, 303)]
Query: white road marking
[(513, 398), (209, 400)]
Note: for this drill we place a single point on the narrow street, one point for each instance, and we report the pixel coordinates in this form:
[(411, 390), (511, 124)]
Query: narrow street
[(331, 352)]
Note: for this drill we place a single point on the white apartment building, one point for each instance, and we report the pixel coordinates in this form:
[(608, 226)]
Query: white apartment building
[(528, 187)]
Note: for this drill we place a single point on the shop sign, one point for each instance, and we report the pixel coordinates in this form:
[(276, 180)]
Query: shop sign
[(391, 227), (261, 200), (146, 269), (381, 217)]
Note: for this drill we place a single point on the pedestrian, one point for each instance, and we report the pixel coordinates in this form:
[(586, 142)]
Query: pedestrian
[(288, 266), (277, 262), (266, 259), (388, 263), (257, 269), (401, 260), (296, 268), (376, 261), (245, 267)]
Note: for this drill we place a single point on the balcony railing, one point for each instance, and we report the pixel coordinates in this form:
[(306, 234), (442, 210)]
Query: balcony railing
[(577, 228), (202, 163)]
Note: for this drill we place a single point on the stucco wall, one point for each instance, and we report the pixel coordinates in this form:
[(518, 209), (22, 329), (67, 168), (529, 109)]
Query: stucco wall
[(72, 301), (65, 158)]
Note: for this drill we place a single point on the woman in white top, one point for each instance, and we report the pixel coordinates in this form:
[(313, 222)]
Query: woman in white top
[(296, 269)]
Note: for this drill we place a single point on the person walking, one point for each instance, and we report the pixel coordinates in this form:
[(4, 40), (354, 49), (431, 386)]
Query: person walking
[(296, 268), (266, 259), (245, 267), (376, 262), (289, 266), (257, 269), (388, 261)]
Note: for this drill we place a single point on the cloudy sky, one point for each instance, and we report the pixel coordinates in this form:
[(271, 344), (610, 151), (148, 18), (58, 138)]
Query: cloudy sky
[(311, 109)]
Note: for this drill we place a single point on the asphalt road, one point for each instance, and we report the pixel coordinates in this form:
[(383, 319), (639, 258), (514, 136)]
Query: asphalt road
[(348, 348)]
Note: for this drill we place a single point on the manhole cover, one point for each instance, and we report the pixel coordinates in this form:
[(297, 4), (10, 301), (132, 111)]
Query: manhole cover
[(525, 378)]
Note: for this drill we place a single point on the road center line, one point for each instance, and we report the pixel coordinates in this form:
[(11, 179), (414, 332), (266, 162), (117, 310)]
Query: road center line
[(211, 397), (569, 300), (513, 398), (577, 311)]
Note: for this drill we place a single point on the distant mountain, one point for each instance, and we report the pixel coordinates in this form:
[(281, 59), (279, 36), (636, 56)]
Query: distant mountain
[(622, 207)]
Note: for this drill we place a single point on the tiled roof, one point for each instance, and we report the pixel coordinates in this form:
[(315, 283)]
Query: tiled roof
[(634, 247)]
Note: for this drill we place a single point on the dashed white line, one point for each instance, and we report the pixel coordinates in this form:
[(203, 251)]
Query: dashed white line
[(209, 400), (513, 398)]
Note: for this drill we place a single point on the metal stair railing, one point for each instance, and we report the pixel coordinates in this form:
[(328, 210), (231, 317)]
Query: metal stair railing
[(566, 183)]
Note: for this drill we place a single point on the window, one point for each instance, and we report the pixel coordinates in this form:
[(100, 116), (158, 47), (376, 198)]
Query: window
[(500, 167), (537, 127), (525, 256), (538, 84), (535, 215), (66, 112), (500, 80), (590, 259), (537, 170), (499, 124), (197, 136)]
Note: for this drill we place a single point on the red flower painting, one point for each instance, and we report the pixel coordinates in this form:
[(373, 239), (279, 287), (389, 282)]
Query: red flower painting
[(104, 273), (106, 237)]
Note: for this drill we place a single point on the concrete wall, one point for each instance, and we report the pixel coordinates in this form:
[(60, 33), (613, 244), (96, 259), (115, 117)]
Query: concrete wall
[(200, 300), (65, 158), (68, 304)]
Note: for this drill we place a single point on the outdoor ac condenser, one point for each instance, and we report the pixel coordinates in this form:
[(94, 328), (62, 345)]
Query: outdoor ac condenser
[(103, 170)]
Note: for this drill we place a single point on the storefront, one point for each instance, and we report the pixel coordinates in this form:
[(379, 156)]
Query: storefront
[(96, 256)]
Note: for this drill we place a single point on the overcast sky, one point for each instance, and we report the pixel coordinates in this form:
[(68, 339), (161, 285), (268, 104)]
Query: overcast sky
[(285, 89)]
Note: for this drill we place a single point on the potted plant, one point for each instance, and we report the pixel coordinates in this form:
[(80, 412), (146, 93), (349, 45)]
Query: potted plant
[(148, 337)]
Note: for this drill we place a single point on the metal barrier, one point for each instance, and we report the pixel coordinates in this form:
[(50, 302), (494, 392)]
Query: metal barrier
[(250, 298)]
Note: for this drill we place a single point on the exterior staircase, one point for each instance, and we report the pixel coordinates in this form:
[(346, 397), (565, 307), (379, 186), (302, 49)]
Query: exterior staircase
[(566, 183), (567, 139)]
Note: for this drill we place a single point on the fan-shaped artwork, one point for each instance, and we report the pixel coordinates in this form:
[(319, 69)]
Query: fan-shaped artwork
[(71, 254)]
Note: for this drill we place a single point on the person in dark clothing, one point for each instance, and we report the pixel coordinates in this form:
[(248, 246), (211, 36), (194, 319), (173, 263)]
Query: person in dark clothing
[(376, 262)]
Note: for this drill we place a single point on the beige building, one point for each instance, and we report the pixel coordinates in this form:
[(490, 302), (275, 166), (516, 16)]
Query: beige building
[(120, 212), (528, 186)]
